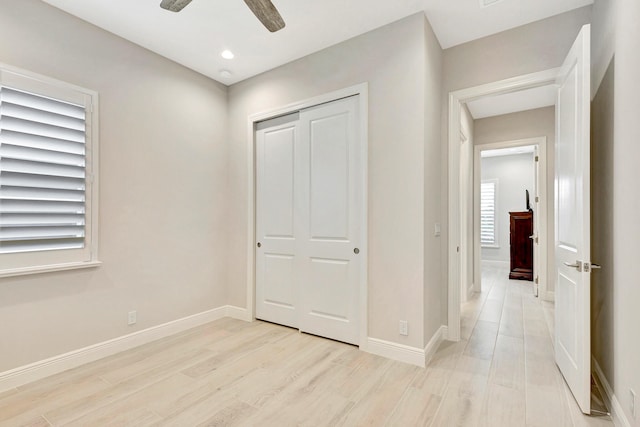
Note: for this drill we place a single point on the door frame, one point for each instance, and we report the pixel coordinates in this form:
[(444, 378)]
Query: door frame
[(541, 216), (466, 248), (456, 101), (362, 91)]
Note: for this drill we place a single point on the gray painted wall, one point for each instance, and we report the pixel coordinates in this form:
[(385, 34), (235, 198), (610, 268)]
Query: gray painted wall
[(615, 201), (433, 269), (163, 157), (602, 248), (401, 63)]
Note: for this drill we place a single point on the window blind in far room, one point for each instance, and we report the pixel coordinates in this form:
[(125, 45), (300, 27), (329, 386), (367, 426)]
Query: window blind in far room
[(42, 173), (488, 213)]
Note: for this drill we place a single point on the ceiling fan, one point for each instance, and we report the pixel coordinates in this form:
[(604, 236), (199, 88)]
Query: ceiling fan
[(264, 10)]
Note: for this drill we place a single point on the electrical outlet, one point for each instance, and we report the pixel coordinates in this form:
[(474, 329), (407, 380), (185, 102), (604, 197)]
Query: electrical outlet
[(132, 318), (633, 403), (404, 327)]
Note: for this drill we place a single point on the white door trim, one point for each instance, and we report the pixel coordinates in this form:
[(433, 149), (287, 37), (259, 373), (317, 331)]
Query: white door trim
[(541, 216), (456, 99), (362, 90), (467, 281)]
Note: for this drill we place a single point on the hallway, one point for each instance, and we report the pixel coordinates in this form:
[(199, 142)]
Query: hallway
[(503, 372)]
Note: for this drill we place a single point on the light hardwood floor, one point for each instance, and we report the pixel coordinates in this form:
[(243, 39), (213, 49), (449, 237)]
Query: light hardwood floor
[(258, 374)]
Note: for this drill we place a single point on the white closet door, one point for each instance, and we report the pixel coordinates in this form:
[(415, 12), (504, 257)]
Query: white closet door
[(307, 223), (276, 226), (330, 210)]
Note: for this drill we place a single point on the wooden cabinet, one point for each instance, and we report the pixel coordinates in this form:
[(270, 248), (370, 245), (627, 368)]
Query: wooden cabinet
[(521, 227)]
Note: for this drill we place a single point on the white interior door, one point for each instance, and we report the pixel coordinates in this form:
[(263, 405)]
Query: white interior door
[(535, 203), (330, 210), (572, 218), (308, 211), (277, 259)]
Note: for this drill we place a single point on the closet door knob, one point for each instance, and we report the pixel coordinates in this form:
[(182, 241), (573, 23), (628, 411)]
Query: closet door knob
[(259, 245), (356, 251)]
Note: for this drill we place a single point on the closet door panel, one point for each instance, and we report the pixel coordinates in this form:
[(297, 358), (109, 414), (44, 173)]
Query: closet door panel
[(329, 178), (330, 145), (276, 256)]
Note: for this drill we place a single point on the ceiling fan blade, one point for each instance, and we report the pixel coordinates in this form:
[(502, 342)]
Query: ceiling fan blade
[(267, 13), (174, 5)]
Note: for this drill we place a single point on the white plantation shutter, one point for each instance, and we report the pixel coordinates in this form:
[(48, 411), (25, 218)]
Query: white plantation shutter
[(488, 213), (42, 173), (45, 173)]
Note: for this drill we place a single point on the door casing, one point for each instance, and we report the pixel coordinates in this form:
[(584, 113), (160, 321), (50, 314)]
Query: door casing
[(456, 101), (362, 91)]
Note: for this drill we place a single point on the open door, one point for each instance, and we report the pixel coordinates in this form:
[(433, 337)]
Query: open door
[(572, 219), (536, 221)]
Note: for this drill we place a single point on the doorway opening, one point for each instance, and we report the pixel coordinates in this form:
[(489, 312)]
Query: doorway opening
[(572, 234), (459, 216), (511, 211)]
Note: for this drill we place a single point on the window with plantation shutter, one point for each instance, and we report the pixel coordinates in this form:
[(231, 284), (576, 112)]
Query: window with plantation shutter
[(47, 174), (488, 229)]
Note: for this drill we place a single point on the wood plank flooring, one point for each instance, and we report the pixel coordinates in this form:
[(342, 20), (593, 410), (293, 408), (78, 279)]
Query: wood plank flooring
[(257, 374)]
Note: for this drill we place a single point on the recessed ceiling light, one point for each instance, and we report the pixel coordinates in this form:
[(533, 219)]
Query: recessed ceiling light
[(227, 54), (225, 73)]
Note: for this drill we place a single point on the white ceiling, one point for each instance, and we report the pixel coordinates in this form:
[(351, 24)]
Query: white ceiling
[(543, 96), (196, 36)]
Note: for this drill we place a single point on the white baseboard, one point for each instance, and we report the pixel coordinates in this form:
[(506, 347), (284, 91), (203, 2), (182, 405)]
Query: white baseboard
[(470, 291), (434, 343), (238, 313), (395, 351), (404, 353), (445, 332), (612, 402), (54, 365)]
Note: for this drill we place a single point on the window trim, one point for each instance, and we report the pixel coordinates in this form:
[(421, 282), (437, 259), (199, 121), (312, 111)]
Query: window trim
[(36, 83), (495, 244)]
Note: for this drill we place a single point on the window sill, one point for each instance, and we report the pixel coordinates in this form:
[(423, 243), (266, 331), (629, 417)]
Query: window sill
[(48, 268)]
